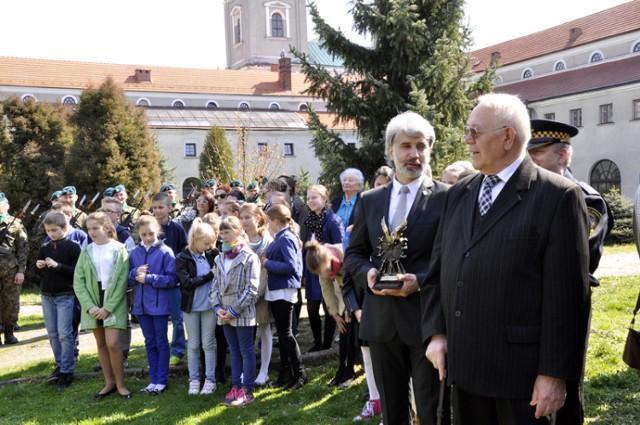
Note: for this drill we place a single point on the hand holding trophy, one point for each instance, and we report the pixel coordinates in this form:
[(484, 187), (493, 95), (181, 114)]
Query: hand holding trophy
[(392, 249)]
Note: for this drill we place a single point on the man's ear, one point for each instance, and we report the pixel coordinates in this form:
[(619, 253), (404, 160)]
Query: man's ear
[(509, 138)]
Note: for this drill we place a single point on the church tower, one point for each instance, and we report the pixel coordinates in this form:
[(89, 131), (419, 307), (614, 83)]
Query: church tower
[(257, 31)]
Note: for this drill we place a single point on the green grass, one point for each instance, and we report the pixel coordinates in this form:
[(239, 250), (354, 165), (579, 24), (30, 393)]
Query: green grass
[(30, 295), (612, 389), (620, 249)]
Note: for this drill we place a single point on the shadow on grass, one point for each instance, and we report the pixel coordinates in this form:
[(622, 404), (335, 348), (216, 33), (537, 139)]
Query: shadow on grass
[(613, 398)]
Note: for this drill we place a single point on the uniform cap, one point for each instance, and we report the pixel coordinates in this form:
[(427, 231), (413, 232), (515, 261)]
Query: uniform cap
[(211, 183), (167, 187), (108, 192), (252, 185), (119, 188), (236, 183), (547, 132), (55, 195), (68, 190)]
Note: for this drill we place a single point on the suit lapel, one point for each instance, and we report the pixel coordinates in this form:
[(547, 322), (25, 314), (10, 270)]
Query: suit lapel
[(509, 197), (469, 207), (419, 203), (383, 211)]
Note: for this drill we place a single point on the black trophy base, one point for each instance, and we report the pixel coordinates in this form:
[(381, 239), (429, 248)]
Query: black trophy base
[(388, 282)]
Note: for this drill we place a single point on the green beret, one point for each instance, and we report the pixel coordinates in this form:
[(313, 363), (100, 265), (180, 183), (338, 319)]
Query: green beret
[(119, 188), (236, 183), (108, 192), (55, 195), (167, 187), (252, 185), (68, 190), (211, 183)]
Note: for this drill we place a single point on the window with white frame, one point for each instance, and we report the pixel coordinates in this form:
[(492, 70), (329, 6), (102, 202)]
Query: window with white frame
[(528, 73), (303, 107), (288, 149), (596, 57), (190, 150), (29, 98), (550, 116), (143, 102), (274, 106), (212, 105), (636, 47), (236, 24), (263, 147), (560, 66), (575, 117), (244, 106), (277, 16), (636, 109), (606, 113), (178, 103)]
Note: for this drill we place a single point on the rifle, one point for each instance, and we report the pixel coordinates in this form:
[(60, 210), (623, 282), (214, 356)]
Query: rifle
[(81, 207), (23, 211), (31, 214), (92, 201), (127, 221), (188, 201)]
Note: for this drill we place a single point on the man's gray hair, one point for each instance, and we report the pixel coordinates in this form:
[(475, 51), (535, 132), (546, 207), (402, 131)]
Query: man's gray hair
[(356, 173), (509, 111), (411, 124)]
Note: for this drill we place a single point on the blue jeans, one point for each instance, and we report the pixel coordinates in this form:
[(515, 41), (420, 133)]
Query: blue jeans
[(243, 355), (154, 329), (58, 318), (178, 341), (201, 329)]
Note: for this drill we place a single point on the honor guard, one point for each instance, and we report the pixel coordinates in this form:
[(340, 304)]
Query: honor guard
[(13, 263)]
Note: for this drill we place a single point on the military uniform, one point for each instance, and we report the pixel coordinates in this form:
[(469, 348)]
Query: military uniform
[(13, 260), (130, 223)]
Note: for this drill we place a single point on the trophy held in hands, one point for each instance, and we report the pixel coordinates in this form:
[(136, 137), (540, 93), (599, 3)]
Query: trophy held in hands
[(392, 249)]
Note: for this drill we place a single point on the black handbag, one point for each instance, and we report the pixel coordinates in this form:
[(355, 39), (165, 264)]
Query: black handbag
[(631, 354)]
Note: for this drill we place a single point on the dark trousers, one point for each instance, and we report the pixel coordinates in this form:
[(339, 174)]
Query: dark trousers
[(290, 356), (394, 362), (347, 352), (472, 409), (315, 322)]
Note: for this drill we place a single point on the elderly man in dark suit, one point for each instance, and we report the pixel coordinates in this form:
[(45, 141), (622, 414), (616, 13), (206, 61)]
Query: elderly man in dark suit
[(390, 317), (508, 286)]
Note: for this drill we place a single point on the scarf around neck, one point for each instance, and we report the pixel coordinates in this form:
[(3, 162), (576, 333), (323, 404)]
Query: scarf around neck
[(313, 222), (232, 251)]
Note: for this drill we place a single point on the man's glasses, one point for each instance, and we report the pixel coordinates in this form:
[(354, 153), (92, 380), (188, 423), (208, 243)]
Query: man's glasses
[(473, 132), (221, 196)]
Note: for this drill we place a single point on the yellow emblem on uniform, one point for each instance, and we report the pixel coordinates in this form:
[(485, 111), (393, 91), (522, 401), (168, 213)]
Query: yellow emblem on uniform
[(595, 220)]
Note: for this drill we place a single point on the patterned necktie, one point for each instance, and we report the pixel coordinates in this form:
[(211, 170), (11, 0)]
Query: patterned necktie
[(401, 209), (486, 199)]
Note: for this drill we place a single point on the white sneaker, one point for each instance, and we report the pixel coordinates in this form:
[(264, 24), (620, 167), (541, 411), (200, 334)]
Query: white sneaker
[(194, 387), (208, 388)]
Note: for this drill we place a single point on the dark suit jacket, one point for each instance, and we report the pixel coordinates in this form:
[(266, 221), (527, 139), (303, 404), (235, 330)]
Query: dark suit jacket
[(384, 316), (510, 294)]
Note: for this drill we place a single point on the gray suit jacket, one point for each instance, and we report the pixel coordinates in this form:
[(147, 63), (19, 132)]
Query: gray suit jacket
[(384, 316), (511, 294)]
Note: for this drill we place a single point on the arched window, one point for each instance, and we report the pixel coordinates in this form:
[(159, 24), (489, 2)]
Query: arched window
[(596, 57), (528, 73), (244, 106), (29, 98), (605, 175), (178, 103), (560, 66), (277, 25), (636, 47), (212, 105), (143, 102), (303, 107), (189, 183), (274, 106), (69, 100)]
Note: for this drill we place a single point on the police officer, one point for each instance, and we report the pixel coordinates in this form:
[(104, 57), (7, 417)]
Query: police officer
[(69, 196), (550, 148), (13, 263)]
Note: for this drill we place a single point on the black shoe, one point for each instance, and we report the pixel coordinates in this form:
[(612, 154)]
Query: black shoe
[(315, 348), (284, 379), (65, 380), (9, 337), (55, 375), (100, 396), (297, 384)]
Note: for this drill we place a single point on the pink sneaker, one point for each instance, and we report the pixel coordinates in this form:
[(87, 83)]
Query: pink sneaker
[(371, 409), (243, 397), (231, 397)]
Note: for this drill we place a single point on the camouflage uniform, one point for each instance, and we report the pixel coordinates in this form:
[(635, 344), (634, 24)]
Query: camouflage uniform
[(13, 260), (131, 226), (80, 219)]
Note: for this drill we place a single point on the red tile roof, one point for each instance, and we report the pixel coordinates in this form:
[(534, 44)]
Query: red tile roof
[(593, 77), (80, 75), (608, 23)]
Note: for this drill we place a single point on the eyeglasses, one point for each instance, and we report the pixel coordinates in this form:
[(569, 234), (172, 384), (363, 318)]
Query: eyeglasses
[(221, 196), (470, 131), (202, 201), (111, 211)]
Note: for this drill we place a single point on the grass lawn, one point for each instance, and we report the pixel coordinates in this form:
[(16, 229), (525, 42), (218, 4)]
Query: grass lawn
[(612, 389)]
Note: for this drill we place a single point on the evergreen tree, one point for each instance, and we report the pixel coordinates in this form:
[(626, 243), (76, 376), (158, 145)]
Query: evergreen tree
[(113, 144), (33, 148), (622, 210), (419, 62), (216, 159)]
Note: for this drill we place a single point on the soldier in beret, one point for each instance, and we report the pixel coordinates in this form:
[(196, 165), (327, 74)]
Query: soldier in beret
[(210, 186), (176, 206), (120, 193), (237, 185), (13, 264), (69, 196), (253, 194), (550, 148)]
